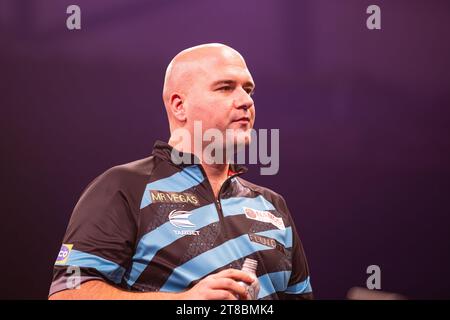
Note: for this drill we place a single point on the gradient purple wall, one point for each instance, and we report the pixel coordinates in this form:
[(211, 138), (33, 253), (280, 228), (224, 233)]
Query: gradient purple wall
[(364, 122)]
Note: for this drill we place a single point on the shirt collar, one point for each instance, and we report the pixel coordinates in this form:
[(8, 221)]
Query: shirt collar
[(164, 150)]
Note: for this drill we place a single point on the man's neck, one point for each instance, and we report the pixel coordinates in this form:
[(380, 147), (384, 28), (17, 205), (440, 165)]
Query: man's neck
[(216, 173)]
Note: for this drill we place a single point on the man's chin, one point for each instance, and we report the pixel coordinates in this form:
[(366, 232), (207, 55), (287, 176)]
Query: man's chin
[(242, 135), (239, 139), (244, 141)]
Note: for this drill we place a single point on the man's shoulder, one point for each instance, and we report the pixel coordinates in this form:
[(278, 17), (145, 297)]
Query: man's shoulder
[(270, 195), (141, 167), (127, 174)]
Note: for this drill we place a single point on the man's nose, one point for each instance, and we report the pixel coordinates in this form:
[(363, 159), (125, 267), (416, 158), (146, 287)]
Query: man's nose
[(244, 100)]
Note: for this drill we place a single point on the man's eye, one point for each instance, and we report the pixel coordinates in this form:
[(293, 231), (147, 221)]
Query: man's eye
[(226, 88), (250, 92)]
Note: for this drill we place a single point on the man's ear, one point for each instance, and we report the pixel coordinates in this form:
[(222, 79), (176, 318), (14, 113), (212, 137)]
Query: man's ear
[(176, 104)]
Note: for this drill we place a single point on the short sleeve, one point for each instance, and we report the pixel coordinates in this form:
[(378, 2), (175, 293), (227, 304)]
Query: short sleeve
[(299, 285), (100, 238)]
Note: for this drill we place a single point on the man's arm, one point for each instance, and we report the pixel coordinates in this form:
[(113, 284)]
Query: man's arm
[(220, 286), (100, 290)]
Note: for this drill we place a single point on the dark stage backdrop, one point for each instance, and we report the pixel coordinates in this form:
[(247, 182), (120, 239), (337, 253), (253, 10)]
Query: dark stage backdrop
[(363, 115)]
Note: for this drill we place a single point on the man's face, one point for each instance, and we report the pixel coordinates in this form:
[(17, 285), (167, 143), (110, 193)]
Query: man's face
[(220, 97)]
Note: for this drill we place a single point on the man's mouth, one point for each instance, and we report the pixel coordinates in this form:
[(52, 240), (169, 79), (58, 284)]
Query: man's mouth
[(243, 120)]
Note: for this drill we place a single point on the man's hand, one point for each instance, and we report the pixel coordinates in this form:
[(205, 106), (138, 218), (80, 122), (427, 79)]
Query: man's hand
[(219, 286)]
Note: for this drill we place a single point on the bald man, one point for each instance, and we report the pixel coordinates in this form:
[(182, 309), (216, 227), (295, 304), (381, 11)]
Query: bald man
[(160, 229)]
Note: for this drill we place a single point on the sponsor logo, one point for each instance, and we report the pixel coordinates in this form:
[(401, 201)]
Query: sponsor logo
[(264, 216), (266, 241), (174, 197), (63, 254), (187, 232), (180, 219)]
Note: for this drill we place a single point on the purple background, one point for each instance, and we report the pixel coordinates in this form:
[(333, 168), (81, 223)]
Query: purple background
[(363, 115)]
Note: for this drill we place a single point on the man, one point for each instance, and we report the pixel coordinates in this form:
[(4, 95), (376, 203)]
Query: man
[(159, 229)]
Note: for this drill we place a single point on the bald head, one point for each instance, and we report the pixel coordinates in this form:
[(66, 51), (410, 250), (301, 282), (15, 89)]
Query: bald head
[(195, 62), (211, 84)]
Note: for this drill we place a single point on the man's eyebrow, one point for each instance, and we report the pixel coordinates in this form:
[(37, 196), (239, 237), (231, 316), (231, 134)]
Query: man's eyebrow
[(232, 82)]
